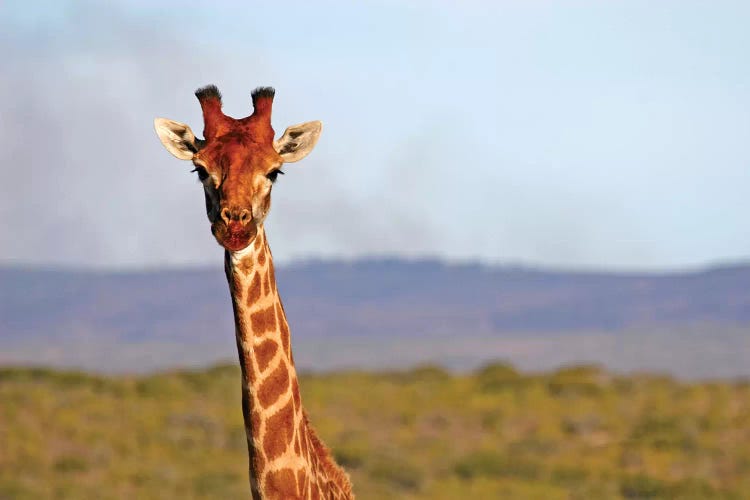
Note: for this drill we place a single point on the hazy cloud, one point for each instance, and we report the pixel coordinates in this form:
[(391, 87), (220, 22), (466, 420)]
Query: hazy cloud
[(524, 143)]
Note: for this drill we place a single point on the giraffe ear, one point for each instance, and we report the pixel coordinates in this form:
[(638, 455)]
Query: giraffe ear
[(176, 137), (298, 141)]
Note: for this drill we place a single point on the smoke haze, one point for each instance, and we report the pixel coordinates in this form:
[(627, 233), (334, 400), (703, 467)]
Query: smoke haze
[(463, 132)]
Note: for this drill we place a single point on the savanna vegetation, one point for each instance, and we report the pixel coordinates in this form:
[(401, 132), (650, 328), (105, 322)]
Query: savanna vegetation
[(579, 432)]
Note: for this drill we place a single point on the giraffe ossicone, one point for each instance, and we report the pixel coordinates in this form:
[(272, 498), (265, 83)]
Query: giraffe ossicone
[(237, 161)]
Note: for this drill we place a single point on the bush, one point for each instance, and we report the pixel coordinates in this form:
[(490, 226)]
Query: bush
[(694, 489), (68, 464), (584, 380), (398, 473), (661, 433), (351, 453), (569, 475), (490, 463), (424, 373), (642, 487), (496, 376)]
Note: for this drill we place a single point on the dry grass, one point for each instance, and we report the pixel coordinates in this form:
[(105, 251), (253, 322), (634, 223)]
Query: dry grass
[(576, 433)]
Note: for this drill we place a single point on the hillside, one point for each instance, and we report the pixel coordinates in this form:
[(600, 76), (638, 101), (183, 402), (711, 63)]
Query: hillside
[(577, 433), (386, 313)]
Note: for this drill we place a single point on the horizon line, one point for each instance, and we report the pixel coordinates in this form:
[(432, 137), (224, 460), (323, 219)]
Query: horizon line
[(695, 268)]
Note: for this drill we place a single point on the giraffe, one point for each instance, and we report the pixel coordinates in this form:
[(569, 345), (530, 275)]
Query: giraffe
[(237, 162)]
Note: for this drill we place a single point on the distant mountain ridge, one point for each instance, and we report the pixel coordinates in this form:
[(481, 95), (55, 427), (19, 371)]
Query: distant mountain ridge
[(370, 302)]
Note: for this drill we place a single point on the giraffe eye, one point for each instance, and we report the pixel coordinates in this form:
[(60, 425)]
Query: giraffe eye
[(273, 174), (202, 173)]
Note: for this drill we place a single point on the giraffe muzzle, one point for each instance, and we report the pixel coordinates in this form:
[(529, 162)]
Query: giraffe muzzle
[(236, 215), (234, 235)]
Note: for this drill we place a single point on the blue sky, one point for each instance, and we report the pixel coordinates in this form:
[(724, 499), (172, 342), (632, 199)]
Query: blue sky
[(565, 134)]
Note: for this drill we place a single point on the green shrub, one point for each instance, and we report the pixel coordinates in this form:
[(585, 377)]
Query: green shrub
[(70, 463), (351, 452), (582, 380), (496, 376), (420, 374), (695, 489), (63, 379), (397, 472), (662, 433), (569, 475), (159, 386), (490, 463), (642, 487)]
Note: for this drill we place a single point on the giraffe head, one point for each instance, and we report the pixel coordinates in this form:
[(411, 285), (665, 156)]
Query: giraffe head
[(237, 161)]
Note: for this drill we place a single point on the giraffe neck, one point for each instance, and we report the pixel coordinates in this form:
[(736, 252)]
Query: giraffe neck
[(286, 458)]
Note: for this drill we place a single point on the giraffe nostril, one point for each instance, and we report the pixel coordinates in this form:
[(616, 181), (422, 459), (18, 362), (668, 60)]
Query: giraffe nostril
[(245, 216), (226, 215)]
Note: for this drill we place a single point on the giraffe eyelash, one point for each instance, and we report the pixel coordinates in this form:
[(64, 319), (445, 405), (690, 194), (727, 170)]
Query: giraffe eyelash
[(273, 174), (202, 173)]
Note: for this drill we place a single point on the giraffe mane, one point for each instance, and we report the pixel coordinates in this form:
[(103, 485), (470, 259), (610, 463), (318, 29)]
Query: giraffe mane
[(337, 474)]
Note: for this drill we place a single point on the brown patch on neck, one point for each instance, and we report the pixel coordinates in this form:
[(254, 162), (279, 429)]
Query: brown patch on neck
[(245, 266), (253, 291), (281, 484), (279, 432), (275, 386), (262, 257), (263, 320), (265, 352)]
